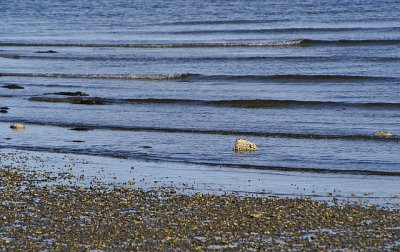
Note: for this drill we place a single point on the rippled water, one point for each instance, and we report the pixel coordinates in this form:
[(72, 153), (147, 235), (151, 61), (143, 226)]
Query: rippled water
[(310, 82)]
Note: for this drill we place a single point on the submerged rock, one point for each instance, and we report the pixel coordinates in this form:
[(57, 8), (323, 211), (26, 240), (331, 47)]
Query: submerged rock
[(80, 129), (17, 126), (92, 101), (78, 93), (48, 51), (384, 133), (244, 145), (4, 110), (72, 100), (13, 86)]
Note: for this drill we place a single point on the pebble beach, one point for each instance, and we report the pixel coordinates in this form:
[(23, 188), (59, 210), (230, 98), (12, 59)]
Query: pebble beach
[(60, 210)]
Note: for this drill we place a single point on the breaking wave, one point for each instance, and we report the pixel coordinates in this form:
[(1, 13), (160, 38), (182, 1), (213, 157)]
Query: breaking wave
[(103, 76)]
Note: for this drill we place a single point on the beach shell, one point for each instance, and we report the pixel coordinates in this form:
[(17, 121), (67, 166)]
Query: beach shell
[(383, 133), (244, 145), (17, 126)]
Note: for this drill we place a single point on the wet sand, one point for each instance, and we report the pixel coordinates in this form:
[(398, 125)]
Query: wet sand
[(62, 210)]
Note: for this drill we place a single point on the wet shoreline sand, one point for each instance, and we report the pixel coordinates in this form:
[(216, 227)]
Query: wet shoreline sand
[(60, 210)]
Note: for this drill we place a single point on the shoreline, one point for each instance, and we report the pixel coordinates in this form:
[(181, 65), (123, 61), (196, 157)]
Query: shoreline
[(189, 178), (58, 208)]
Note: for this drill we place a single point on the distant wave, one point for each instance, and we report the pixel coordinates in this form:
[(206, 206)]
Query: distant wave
[(103, 76), (311, 136), (294, 77), (170, 45), (277, 30), (299, 42), (159, 58), (201, 77), (218, 22)]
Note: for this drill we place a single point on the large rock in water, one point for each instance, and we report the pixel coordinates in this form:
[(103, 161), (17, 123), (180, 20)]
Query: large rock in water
[(17, 126), (244, 145), (384, 133)]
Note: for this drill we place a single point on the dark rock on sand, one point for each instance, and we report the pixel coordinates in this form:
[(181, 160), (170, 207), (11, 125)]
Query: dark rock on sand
[(13, 86), (6, 108), (78, 93), (48, 51)]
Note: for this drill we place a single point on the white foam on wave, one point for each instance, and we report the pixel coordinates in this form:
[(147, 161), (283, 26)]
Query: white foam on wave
[(103, 76)]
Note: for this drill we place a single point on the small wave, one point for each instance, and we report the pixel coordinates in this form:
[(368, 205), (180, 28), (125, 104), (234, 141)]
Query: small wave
[(175, 59), (170, 45), (298, 42), (201, 77), (10, 56), (294, 78), (302, 169), (142, 156), (102, 76), (221, 22), (256, 103), (354, 137), (278, 30), (349, 42), (259, 103)]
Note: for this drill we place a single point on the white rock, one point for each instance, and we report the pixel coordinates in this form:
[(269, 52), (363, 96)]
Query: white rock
[(17, 126), (383, 133), (244, 145)]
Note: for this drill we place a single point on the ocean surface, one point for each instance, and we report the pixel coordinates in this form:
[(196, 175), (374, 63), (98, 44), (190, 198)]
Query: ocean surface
[(178, 81)]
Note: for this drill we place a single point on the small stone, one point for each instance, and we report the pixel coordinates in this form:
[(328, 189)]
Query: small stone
[(384, 133), (17, 126), (244, 145), (255, 215), (3, 111)]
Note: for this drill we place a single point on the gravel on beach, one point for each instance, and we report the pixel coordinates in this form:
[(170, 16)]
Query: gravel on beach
[(49, 211)]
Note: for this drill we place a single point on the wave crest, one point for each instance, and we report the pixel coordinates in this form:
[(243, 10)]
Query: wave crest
[(298, 42), (104, 76)]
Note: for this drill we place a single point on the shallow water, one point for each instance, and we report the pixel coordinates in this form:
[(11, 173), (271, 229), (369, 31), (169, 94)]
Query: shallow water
[(310, 83)]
